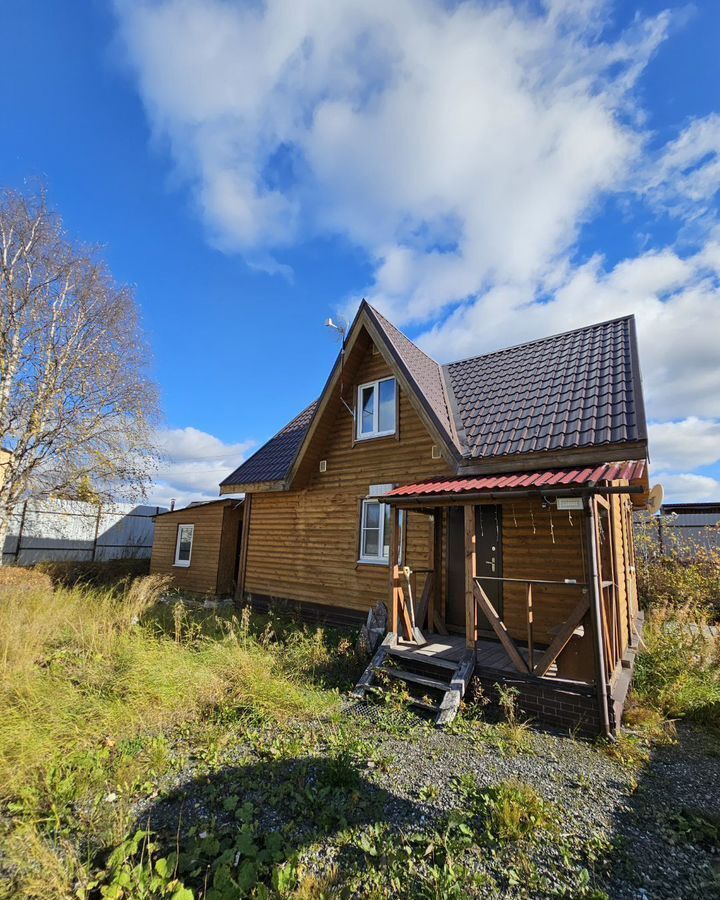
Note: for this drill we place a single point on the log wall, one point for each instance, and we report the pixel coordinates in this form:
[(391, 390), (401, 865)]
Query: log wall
[(304, 544)]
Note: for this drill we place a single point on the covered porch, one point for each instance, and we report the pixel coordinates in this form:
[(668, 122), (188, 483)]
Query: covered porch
[(529, 575)]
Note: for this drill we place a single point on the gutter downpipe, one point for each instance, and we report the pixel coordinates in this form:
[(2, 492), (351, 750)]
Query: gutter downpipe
[(596, 589)]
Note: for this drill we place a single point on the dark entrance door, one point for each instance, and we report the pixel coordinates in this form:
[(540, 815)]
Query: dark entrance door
[(488, 544)]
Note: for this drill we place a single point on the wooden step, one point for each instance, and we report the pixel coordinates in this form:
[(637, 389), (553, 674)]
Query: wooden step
[(367, 676), (424, 704), (452, 691), (458, 685), (423, 659), (414, 678)]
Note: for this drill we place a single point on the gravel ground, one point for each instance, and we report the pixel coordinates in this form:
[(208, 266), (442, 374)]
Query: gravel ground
[(682, 778), (619, 823)]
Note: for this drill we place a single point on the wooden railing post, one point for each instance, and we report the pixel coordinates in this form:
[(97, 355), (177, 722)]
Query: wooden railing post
[(471, 620), (530, 641)]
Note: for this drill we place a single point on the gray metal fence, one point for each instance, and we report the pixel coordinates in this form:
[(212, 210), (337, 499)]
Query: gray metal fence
[(73, 530), (682, 527)]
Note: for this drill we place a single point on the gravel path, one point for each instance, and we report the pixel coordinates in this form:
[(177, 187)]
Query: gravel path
[(631, 830)]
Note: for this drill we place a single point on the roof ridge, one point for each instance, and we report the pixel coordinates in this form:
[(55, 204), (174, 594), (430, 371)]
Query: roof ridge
[(542, 340)]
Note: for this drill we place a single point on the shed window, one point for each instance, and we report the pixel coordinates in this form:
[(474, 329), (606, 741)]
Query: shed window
[(376, 408), (375, 527), (183, 546)]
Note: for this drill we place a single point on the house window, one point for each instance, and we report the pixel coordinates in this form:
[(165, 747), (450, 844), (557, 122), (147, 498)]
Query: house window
[(376, 408), (183, 546), (375, 527)]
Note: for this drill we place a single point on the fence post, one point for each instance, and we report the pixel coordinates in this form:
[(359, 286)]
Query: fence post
[(97, 529), (20, 533)]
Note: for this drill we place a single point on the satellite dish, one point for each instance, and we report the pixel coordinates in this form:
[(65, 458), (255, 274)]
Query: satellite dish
[(655, 499)]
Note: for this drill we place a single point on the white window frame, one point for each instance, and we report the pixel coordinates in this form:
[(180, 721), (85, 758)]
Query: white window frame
[(368, 435), (376, 491), (184, 563)]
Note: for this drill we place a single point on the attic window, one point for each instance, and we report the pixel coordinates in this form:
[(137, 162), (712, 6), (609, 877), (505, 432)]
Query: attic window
[(183, 545), (376, 409)]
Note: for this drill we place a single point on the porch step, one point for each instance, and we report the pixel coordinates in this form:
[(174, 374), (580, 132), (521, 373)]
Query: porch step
[(423, 659), (413, 677), (448, 678)]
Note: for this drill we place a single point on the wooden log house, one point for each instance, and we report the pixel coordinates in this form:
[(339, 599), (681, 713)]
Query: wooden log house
[(488, 503)]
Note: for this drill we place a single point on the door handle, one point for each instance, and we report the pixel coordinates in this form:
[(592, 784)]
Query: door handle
[(491, 563)]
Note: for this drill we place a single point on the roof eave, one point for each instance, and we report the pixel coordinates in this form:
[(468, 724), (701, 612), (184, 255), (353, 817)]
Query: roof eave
[(254, 487), (571, 456)]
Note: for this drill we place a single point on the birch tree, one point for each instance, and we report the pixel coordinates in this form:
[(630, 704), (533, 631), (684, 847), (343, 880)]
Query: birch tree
[(76, 404)]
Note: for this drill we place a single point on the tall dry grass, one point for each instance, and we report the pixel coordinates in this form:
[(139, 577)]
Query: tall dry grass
[(81, 666), (678, 668)]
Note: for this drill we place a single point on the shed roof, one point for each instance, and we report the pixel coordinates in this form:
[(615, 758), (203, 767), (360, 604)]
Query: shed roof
[(200, 504)]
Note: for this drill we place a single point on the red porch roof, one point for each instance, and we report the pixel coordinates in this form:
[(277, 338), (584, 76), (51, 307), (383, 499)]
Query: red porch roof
[(520, 481)]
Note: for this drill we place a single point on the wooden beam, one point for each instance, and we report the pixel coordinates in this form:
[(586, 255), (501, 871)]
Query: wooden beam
[(470, 573), (407, 621), (498, 626), (439, 624), (443, 564), (562, 637), (423, 608)]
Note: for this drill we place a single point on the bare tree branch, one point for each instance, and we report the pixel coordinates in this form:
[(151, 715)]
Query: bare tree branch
[(77, 407)]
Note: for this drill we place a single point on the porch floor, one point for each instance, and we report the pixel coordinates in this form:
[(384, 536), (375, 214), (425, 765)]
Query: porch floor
[(450, 647)]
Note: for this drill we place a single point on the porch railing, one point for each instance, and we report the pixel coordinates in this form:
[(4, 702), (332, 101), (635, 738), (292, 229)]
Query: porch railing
[(559, 642)]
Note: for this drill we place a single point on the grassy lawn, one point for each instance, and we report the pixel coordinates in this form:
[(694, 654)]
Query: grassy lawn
[(155, 749)]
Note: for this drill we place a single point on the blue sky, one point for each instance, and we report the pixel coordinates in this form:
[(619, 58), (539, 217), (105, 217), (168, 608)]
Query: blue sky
[(484, 173)]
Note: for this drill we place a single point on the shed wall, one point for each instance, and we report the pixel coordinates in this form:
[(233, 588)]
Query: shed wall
[(201, 575)]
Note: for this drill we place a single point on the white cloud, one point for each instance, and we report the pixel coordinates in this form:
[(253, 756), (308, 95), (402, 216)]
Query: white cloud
[(688, 488), (462, 146), (676, 301), (686, 174), (456, 143), (194, 463), (687, 444)]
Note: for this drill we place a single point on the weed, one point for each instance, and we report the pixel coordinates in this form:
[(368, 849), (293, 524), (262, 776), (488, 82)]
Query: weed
[(702, 830), (507, 812), (428, 793), (678, 669)]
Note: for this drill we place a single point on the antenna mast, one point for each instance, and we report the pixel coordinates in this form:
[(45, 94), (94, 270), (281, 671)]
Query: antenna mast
[(341, 332)]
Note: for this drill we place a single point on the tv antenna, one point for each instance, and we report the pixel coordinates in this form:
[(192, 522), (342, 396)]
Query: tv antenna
[(340, 332)]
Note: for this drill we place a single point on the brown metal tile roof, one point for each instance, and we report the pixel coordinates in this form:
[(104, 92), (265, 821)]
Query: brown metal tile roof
[(423, 370), (274, 459), (577, 389), (573, 390)]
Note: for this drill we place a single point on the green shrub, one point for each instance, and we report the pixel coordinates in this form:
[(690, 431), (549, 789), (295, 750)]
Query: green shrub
[(678, 668), (684, 574), (507, 812), (514, 810)]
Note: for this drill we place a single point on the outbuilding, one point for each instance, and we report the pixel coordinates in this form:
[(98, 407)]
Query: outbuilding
[(200, 546)]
